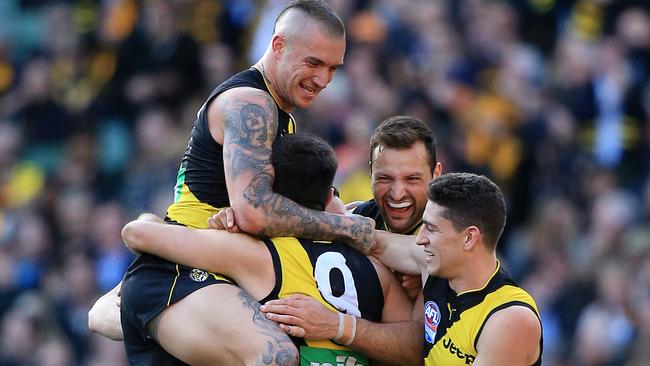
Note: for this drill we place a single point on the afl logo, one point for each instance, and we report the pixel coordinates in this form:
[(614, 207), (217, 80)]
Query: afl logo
[(198, 275), (431, 321)]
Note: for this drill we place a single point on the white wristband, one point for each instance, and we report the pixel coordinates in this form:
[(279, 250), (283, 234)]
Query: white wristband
[(347, 329), (350, 339), (339, 332)]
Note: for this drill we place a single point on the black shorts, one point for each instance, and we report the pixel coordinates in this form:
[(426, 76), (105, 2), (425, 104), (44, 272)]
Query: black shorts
[(149, 286)]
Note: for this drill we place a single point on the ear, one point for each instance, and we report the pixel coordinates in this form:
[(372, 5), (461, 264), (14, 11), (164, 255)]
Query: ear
[(329, 197), (278, 43), (438, 170), (472, 238), (333, 204)]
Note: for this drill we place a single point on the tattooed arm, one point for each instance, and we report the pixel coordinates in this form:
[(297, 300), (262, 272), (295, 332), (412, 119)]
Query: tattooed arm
[(400, 253), (249, 118)]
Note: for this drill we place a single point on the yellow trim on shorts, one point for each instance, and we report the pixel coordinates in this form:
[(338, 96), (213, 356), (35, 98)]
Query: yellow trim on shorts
[(291, 128), (171, 291)]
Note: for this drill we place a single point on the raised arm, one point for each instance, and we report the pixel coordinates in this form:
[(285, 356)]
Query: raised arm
[(250, 123), (400, 253), (239, 256)]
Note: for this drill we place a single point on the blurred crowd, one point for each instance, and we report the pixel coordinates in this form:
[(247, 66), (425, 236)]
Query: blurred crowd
[(550, 98)]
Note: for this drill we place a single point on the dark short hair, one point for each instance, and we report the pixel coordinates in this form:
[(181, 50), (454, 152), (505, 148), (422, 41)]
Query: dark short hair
[(401, 132), (320, 11), (304, 169), (471, 199)]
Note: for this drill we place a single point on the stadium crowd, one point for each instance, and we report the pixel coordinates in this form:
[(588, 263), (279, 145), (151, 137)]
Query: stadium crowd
[(549, 98)]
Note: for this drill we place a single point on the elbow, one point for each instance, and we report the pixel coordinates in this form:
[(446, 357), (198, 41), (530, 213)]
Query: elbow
[(132, 236), (251, 225), (249, 219)]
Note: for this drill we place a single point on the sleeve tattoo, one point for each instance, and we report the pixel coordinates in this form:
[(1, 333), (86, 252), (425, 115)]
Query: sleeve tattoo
[(250, 131)]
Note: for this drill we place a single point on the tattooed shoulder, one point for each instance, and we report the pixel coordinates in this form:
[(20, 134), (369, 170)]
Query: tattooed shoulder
[(251, 120)]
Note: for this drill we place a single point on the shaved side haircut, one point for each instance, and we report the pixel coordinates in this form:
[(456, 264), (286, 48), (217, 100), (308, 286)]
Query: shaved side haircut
[(319, 11)]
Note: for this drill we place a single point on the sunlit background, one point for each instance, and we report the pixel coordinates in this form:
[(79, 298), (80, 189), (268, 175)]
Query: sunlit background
[(550, 99)]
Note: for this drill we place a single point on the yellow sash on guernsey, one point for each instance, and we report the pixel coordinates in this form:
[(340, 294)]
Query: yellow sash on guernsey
[(187, 209)]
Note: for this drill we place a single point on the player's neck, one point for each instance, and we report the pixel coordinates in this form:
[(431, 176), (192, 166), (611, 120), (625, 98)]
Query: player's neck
[(269, 79), (475, 274)]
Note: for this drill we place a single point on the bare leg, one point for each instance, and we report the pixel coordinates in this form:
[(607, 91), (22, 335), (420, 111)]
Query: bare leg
[(222, 325)]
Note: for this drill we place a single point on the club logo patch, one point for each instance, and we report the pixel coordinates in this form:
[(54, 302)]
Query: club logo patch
[(198, 275), (431, 321)]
